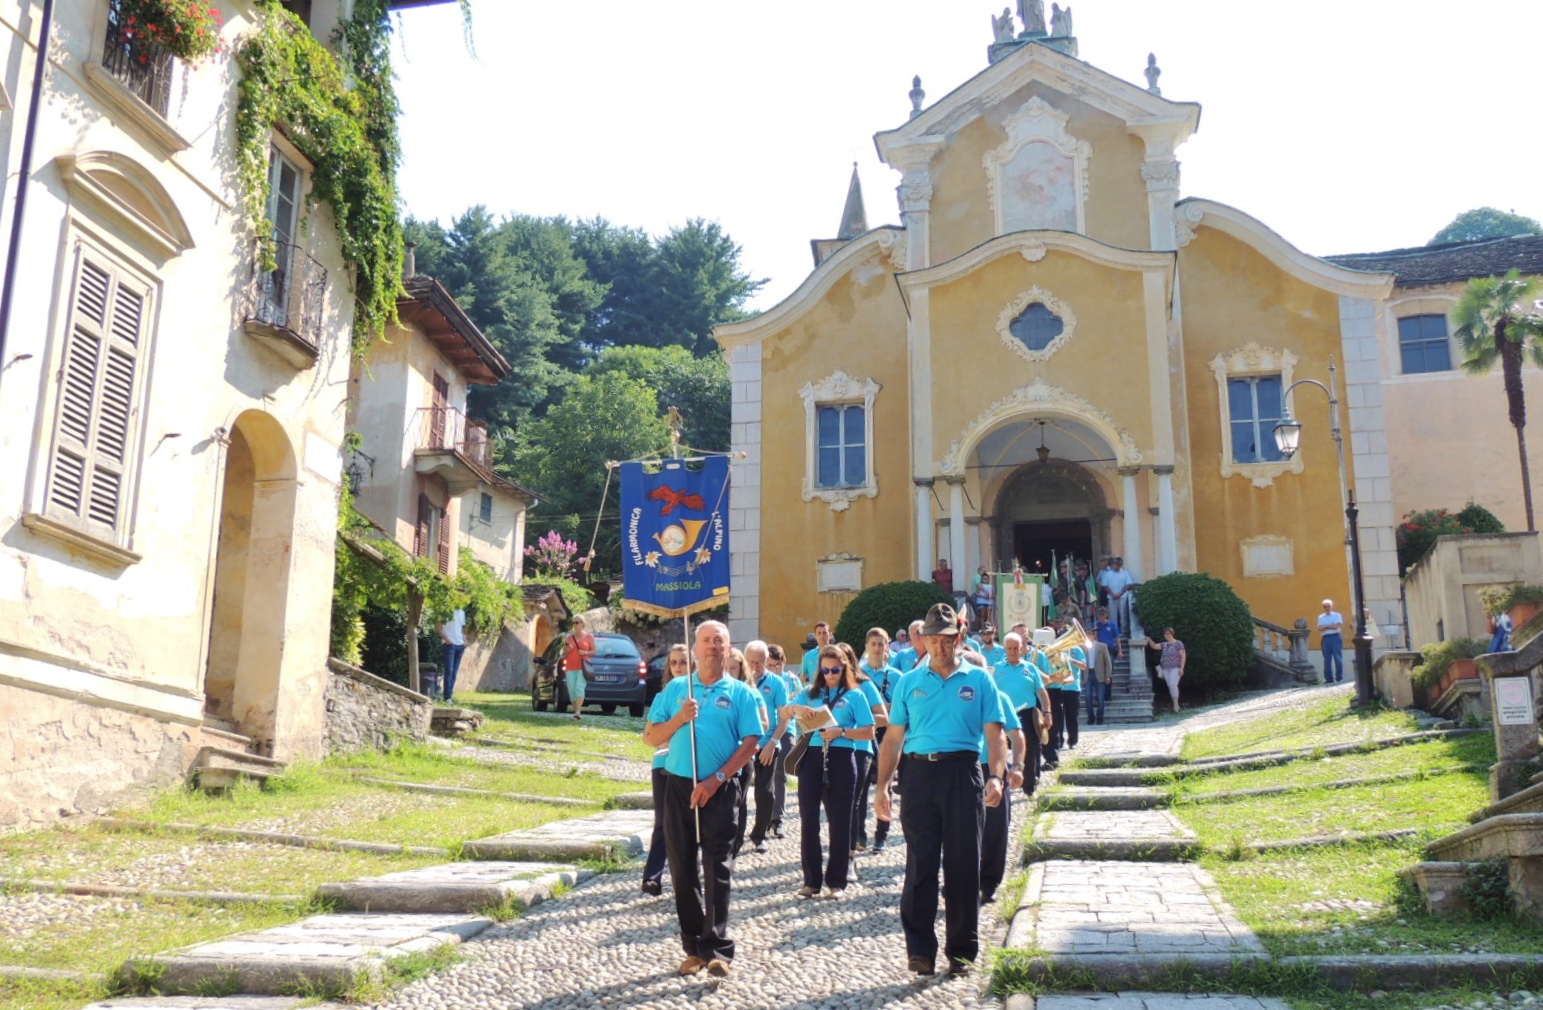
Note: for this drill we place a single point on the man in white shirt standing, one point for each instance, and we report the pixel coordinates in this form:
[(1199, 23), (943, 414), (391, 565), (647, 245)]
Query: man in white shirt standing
[(1330, 628), (453, 632), (1116, 581)]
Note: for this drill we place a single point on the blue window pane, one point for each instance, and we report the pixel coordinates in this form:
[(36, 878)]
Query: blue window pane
[(830, 426), (857, 465), (830, 468), (1268, 388), (1423, 345), (1244, 448), (854, 425), (1240, 399), (1036, 326)]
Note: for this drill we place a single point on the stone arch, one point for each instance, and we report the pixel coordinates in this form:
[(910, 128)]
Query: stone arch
[(129, 196), (1040, 399), (1051, 504), (251, 580)]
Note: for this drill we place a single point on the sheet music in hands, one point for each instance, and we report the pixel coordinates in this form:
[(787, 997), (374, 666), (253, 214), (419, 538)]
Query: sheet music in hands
[(812, 720)]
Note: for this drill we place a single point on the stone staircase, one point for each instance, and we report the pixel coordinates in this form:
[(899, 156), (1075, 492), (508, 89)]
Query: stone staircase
[(1510, 829), (226, 757), (1132, 697)]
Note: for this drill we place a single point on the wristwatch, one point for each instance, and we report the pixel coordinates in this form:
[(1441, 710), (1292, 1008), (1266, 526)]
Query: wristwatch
[(721, 777), (990, 777)]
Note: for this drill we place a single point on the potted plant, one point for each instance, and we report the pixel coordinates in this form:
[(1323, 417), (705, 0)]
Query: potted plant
[(188, 29), (1443, 664), (1521, 603)]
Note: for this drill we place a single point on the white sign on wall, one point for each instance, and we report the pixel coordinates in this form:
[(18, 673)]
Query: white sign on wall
[(1513, 701)]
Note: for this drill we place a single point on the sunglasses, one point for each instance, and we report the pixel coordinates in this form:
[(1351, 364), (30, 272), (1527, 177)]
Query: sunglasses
[(833, 671)]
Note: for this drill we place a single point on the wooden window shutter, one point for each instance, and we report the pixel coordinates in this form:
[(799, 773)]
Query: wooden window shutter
[(437, 423), (445, 541), (98, 398), (425, 519)]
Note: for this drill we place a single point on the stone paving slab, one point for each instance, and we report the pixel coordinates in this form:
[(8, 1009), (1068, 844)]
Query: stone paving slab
[(454, 887), (1149, 1001), (599, 836), (325, 950), (643, 800), (1128, 909), (1154, 836), (1105, 799), (198, 1003)]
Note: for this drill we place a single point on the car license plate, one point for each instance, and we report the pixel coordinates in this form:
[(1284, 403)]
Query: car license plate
[(610, 678)]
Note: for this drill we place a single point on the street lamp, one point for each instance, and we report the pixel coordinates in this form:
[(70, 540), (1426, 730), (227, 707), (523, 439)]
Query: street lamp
[(1288, 438)]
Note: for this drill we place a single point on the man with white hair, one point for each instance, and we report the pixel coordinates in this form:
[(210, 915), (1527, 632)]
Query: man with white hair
[(727, 717), (1330, 628), (1024, 685)]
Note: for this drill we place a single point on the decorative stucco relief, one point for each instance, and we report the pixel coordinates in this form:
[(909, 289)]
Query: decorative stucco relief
[(1185, 220), (1016, 307), (1040, 186), (1040, 396), (893, 247), (837, 388)]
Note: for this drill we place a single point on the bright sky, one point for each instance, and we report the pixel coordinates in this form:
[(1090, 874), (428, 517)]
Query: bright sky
[(1348, 127)]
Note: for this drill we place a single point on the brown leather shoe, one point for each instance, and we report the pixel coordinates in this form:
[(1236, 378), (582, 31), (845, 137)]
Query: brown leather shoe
[(692, 965), (717, 967)]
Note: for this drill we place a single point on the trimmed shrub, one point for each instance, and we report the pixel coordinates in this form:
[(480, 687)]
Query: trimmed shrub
[(1437, 658), (1210, 619), (888, 605)]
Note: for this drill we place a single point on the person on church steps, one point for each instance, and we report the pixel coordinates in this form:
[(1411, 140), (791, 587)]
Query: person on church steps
[(1116, 582), (866, 751), (728, 728), (828, 770), (943, 576), (770, 776), (1024, 686), (876, 666), (1098, 684), (940, 713), (677, 665)]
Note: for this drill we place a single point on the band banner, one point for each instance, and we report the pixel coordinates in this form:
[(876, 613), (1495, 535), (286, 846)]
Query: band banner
[(675, 537)]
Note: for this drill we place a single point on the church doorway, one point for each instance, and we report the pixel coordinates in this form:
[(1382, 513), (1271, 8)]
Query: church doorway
[(1050, 506)]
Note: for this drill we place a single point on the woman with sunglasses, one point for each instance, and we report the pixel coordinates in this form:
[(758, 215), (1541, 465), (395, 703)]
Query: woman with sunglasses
[(677, 665), (828, 770)]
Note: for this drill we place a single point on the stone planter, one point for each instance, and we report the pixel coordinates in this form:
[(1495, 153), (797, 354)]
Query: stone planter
[(1461, 669), (1522, 613)]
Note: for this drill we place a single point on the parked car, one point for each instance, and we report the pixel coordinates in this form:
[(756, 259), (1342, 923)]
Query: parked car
[(656, 673), (621, 677)]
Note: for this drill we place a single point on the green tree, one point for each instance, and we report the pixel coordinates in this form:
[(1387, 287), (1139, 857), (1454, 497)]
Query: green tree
[(698, 386), (670, 291), (562, 457), (1498, 321), (1486, 222)]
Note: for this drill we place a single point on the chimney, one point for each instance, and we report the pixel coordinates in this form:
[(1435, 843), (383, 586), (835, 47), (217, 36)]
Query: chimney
[(410, 262)]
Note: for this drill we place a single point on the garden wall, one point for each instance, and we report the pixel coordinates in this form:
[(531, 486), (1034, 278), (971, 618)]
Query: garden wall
[(1442, 588), (366, 712)]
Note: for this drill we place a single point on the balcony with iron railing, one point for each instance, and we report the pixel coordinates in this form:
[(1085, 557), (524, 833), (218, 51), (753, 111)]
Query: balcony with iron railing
[(452, 447), (283, 306), (142, 66)]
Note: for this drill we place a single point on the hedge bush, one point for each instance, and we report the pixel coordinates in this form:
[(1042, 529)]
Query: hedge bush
[(1208, 617), (888, 605), (1419, 530), (1437, 658)]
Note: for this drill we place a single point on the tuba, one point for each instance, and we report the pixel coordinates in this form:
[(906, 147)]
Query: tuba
[(1055, 652)]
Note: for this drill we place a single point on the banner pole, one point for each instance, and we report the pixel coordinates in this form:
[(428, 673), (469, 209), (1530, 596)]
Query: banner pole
[(685, 617)]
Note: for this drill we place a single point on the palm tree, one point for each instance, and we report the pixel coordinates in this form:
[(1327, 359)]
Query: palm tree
[(1498, 320)]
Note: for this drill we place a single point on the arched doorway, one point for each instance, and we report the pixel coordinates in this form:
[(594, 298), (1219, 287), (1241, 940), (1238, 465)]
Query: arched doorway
[(251, 580), (1050, 508)]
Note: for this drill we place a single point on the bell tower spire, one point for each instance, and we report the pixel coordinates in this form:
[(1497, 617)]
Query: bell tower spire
[(854, 219)]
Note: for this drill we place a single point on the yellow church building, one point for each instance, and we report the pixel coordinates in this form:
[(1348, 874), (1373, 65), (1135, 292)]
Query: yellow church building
[(1054, 352)]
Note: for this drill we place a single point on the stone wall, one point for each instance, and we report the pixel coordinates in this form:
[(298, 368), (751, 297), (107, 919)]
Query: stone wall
[(365, 712), (505, 666), (60, 757)]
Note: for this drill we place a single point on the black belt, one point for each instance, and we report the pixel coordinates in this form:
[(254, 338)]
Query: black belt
[(950, 755)]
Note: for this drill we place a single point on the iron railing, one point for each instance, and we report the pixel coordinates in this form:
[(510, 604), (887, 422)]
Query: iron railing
[(142, 66), (290, 297), (447, 428)]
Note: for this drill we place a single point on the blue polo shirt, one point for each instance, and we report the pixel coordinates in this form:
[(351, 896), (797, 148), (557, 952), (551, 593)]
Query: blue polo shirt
[(1021, 684), (1042, 661), (995, 656), (774, 694), (874, 698), (849, 708), (885, 678), (1010, 723), (730, 712), (1109, 633), (903, 659), (945, 715), (660, 755), (1075, 653)]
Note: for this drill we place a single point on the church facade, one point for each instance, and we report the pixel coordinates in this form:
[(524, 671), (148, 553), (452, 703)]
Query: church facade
[(1054, 353)]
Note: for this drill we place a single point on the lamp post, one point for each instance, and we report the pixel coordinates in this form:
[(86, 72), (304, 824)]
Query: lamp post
[(1288, 438)]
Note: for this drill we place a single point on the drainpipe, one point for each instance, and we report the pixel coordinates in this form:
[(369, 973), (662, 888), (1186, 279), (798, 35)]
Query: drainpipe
[(9, 289)]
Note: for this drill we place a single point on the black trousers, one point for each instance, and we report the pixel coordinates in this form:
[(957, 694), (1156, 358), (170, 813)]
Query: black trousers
[(943, 814), (702, 889), (770, 784), (993, 841), (746, 778), (865, 772), (780, 782), (1031, 751), (653, 868), (836, 788), (1071, 701), (1050, 753)]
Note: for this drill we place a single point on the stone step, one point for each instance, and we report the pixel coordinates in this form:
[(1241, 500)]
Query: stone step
[(1441, 885), (218, 736), (455, 887), (328, 952), (1528, 801), (1129, 761), (609, 835), (643, 800), (200, 1003), (453, 721), (221, 767), (1508, 835), (1105, 799), (1104, 777)]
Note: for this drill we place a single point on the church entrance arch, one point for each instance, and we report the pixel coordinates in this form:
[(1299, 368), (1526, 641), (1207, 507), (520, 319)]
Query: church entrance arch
[(1050, 507)]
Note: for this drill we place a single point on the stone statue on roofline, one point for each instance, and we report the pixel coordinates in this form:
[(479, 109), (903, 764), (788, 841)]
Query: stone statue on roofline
[(1002, 27), (1061, 20), (1032, 14), (1153, 72)]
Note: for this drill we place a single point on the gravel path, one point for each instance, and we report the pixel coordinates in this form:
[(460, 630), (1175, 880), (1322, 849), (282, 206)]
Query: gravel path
[(609, 945), (618, 769), (1167, 737)]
